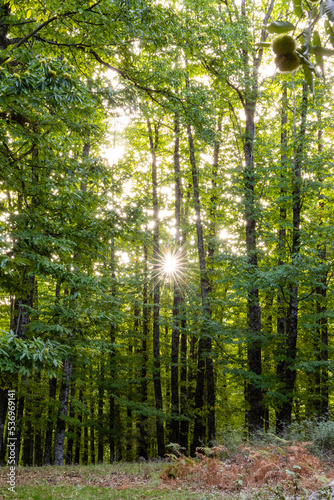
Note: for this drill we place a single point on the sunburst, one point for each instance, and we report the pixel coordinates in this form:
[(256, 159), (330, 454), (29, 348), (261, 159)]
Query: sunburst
[(171, 264)]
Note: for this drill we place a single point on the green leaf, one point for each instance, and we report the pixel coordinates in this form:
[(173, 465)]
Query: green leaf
[(329, 9), (298, 7), (307, 35), (329, 31), (321, 51), (262, 44), (308, 76), (317, 50), (280, 27)]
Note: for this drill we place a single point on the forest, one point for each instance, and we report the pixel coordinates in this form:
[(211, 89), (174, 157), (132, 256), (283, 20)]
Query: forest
[(167, 203)]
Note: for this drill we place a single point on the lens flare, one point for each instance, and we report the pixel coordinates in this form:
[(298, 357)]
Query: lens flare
[(170, 264)]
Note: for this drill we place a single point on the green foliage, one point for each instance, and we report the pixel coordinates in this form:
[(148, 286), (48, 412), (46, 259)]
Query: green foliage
[(27, 356), (319, 433)]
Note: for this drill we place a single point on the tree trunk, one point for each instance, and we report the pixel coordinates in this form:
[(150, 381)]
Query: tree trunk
[(112, 411), (61, 420), (85, 448), (38, 452), (175, 437), (248, 99), (19, 419), (28, 441), (100, 445), (92, 427), (142, 445), (71, 427), (186, 374), (112, 362), (153, 141), (204, 361), (50, 422), (255, 411), (78, 430), (3, 413), (281, 309), (321, 307), (285, 412)]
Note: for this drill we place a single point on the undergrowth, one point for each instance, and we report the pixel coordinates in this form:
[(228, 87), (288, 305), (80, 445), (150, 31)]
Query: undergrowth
[(286, 471)]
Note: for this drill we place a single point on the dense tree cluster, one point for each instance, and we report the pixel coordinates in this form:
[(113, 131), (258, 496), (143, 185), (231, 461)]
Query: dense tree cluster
[(185, 287)]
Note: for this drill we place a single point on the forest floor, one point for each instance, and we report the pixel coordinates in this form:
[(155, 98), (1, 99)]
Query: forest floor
[(264, 472)]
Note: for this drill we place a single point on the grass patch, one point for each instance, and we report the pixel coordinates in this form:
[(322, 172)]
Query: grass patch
[(89, 493)]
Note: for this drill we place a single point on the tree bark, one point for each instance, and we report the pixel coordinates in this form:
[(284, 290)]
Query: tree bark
[(3, 413), (71, 427), (322, 376), (112, 409), (204, 360), (175, 403), (153, 142), (19, 418), (143, 445), (285, 412), (100, 445), (50, 422), (78, 432), (281, 309), (61, 422), (186, 374), (92, 426), (249, 98)]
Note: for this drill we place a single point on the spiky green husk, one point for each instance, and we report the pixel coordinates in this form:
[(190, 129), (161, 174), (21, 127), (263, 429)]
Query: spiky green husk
[(287, 63), (283, 44)]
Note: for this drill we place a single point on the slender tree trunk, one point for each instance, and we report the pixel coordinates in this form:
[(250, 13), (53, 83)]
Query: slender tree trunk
[(248, 99), (61, 422), (255, 412), (129, 429), (21, 309), (3, 413), (211, 396), (67, 370), (142, 446), (38, 452), (175, 437), (92, 427), (204, 364), (85, 448), (112, 411), (186, 375), (321, 307), (284, 414), (50, 422), (19, 419), (28, 437), (281, 309), (153, 141), (78, 431), (71, 427), (4, 447), (100, 445)]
